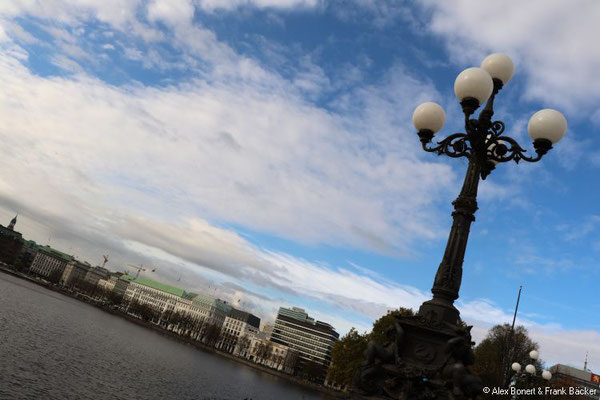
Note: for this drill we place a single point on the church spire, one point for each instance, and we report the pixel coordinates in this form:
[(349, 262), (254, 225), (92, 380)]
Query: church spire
[(11, 226)]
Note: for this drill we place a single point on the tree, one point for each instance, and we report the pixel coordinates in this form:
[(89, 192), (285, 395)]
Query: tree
[(165, 317), (55, 276), (312, 371), (378, 333), (501, 347), (277, 360), (113, 298), (243, 345), (146, 312), (263, 351), (211, 334), (347, 353), (290, 362), (346, 357)]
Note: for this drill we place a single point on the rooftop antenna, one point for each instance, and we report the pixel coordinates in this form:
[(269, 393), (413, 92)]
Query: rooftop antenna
[(585, 363), (105, 260)]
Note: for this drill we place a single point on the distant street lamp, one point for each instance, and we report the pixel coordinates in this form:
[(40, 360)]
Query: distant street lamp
[(529, 375), (431, 350)]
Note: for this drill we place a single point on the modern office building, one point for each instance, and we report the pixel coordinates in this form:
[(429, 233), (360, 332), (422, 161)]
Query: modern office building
[(11, 243), (565, 376), (48, 262), (313, 340)]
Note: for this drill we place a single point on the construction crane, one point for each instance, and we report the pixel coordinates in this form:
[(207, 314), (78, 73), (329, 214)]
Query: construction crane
[(139, 269)]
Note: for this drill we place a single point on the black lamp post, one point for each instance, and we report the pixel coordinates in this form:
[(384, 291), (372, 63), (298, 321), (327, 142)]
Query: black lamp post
[(429, 354)]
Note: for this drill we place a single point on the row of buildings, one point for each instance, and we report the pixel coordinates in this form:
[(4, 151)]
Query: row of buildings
[(292, 343)]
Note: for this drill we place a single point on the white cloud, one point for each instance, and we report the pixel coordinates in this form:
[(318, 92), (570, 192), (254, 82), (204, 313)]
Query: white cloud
[(97, 165), (118, 13), (266, 158), (582, 229), (550, 41), (211, 5), (171, 12)]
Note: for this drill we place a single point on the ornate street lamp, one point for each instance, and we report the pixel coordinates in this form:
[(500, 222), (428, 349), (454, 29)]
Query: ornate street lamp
[(430, 353), (528, 375)]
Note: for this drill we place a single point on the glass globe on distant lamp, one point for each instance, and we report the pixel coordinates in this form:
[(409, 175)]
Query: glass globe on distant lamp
[(516, 367), (547, 375), (530, 369), (533, 354)]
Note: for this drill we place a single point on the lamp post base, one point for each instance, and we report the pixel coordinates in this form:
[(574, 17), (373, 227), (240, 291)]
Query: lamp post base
[(425, 359)]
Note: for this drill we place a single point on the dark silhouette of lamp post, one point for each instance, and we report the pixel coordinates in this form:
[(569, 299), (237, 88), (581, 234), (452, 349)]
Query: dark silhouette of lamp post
[(429, 355)]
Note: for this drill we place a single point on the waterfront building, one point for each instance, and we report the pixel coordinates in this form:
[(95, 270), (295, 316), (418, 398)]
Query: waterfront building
[(74, 273), (235, 325), (27, 255), (565, 376), (313, 340), (11, 243), (49, 262), (93, 276), (215, 310), (121, 286), (109, 283), (159, 296), (273, 355)]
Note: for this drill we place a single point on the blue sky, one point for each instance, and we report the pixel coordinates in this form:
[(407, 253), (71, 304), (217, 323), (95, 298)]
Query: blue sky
[(263, 150)]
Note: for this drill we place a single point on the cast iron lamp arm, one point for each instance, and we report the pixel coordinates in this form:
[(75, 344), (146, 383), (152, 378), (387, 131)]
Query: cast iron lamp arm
[(483, 141), (454, 146)]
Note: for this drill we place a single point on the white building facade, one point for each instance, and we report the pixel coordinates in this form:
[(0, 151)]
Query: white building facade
[(160, 297), (236, 325), (49, 261)]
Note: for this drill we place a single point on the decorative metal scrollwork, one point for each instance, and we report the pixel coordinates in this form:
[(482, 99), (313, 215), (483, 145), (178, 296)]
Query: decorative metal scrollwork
[(455, 145), (497, 128), (488, 152)]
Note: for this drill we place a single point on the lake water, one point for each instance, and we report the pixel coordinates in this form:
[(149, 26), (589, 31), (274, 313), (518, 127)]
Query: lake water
[(55, 347)]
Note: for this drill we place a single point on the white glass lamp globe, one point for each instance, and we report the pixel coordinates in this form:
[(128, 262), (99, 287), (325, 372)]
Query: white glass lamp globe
[(533, 355), (530, 369), (546, 375), (429, 116), (499, 66), (547, 124), (473, 82), (516, 367)]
